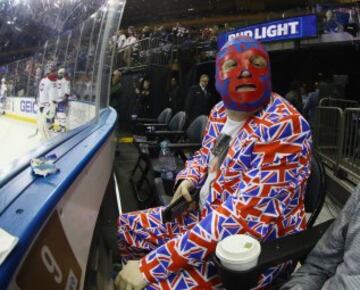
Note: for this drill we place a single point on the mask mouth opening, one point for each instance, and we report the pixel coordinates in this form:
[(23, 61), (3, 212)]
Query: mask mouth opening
[(245, 88)]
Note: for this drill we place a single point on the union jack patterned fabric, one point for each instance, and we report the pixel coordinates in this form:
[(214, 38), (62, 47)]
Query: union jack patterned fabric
[(259, 190)]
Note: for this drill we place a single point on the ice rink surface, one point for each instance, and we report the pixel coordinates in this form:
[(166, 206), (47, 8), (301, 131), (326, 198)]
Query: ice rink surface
[(15, 140)]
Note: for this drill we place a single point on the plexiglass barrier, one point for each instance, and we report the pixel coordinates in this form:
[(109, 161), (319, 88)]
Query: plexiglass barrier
[(72, 70)]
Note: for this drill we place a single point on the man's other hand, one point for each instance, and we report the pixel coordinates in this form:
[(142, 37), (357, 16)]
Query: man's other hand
[(183, 190), (130, 277)]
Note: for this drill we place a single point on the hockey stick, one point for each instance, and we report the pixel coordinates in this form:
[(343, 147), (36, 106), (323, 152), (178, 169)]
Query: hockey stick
[(34, 134)]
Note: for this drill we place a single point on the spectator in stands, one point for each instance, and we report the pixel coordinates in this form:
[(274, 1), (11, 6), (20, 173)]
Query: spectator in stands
[(116, 90), (179, 32), (311, 104), (160, 32), (294, 95), (330, 24), (256, 187), (352, 26), (121, 39), (143, 99), (146, 32), (334, 261), (198, 99), (130, 40), (175, 98)]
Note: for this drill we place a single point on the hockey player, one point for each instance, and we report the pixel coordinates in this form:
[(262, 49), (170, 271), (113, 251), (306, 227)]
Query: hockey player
[(62, 101), (47, 101), (3, 93)]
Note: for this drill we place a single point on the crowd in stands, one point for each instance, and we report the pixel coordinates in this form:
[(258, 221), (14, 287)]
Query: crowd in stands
[(136, 44), (176, 34), (331, 19)]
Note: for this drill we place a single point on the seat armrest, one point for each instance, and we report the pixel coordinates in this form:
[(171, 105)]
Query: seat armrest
[(145, 120), (158, 125), (167, 132), (152, 143), (292, 247), (183, 146)]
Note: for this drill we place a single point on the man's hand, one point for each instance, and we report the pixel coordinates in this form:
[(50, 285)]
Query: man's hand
[(130, 277), (183, 189)]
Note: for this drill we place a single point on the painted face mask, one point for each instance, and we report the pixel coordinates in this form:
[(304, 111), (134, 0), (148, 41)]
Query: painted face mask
[(243, 75)]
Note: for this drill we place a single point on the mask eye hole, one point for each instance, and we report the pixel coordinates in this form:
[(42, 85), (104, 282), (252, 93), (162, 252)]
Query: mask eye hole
[(258, 61), (229, 65)]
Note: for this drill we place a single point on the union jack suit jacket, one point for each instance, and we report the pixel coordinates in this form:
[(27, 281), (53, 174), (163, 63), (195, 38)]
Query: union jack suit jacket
[(259, 189)]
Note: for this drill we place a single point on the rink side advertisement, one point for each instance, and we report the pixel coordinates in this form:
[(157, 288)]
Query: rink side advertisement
[(25, 109), (282, 29), (51, 262)]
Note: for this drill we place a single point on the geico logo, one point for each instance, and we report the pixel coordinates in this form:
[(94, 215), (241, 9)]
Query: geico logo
[(28, 107)]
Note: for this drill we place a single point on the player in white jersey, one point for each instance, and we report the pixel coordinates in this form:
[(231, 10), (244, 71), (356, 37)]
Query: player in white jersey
[(63, 93), (3, 93), (47, 102)]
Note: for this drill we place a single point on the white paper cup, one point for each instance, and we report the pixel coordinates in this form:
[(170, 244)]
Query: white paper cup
[(238, 252)]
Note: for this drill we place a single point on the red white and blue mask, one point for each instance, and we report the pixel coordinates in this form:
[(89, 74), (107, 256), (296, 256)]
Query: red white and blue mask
[(243, 75)]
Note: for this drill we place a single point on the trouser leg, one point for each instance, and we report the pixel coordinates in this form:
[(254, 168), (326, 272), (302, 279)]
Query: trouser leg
[(203, 276), (143, 231)]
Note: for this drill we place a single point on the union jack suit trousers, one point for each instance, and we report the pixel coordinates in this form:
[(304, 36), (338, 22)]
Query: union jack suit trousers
[(258, 191)]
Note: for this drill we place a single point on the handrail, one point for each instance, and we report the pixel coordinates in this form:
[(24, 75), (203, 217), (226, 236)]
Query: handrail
[(346, 155), (22, 162)]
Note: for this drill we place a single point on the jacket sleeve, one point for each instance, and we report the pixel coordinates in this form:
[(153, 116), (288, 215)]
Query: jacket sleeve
[(196, 167), (271, 188), (334, 259)]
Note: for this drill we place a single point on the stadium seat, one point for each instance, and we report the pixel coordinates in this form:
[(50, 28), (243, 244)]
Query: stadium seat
[(164, 188), (191, 141), (141, 124), (152, 139)]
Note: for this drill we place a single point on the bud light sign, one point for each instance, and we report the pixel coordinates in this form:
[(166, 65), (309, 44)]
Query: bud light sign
[(283, 29)]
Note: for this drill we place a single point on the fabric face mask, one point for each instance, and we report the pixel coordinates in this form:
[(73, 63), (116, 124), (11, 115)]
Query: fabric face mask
[(243, 75)]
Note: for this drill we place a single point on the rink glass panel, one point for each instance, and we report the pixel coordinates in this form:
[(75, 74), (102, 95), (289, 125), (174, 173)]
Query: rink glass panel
[(86, 53)]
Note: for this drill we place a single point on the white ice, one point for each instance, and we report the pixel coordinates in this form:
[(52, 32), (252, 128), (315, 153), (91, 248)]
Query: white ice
[(15, 139)]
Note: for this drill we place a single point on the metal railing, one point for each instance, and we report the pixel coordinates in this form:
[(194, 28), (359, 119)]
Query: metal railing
[(341, 103), (328, 129), (337, 139), (144, 52), (350, 151)]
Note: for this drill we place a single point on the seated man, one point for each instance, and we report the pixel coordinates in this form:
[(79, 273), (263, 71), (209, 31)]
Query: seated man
[(334, 262), (257, 188)]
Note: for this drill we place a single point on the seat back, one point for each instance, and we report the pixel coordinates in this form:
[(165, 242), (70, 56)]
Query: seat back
[(165, 116), (315, 190), (195, 131), (177, 122)]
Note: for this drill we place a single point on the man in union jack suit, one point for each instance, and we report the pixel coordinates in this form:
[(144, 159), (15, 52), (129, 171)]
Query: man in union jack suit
[(257, 188)]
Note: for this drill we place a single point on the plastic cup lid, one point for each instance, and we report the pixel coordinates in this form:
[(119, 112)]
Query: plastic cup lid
[(238, 249)]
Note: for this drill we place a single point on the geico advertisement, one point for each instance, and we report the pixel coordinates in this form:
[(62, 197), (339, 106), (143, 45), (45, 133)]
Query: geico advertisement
[(22, 106), (79, 113)]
